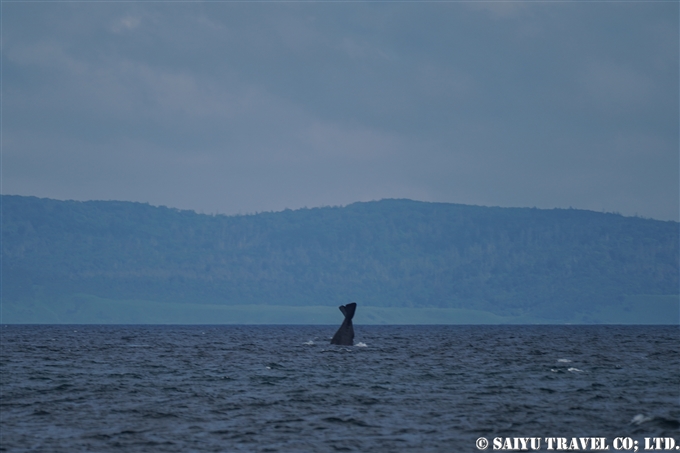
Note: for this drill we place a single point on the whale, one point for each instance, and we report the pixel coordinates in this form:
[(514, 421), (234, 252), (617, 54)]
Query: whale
[(345, 334)]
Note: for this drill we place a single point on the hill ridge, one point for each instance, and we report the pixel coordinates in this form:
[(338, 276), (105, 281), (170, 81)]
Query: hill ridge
[(548, 263)]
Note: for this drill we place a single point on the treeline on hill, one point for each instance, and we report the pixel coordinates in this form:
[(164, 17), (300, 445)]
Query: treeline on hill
[(390, 253)]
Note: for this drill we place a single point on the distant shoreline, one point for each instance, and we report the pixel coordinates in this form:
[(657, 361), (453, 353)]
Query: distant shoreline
[(86, 309), (441, 263)]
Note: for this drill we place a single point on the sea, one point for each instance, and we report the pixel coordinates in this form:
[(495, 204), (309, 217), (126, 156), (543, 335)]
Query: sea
[(225, 388)]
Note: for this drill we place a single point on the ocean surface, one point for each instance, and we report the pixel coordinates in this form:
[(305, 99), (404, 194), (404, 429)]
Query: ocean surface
[(284, 388)]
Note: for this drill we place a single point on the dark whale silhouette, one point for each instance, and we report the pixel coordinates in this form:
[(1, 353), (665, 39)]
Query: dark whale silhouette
[(345, 334)]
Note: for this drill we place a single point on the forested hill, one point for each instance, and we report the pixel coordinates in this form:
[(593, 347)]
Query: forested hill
[(549, 264)]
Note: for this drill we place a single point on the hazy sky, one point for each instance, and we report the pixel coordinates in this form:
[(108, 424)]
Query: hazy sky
[(240, 107)]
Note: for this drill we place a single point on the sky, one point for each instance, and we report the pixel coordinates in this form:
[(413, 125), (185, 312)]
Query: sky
[(243, 107)]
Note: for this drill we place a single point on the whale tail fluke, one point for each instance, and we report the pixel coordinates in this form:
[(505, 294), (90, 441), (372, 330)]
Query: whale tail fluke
[(348, 310), (345, 334)]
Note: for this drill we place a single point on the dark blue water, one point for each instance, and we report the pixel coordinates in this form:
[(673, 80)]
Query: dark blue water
[(276, 388)]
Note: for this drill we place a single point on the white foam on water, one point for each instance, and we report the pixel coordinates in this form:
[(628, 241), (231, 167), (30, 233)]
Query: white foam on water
[(564, 360), (640, 419), (572, 369), (309, 343), (361, 344)]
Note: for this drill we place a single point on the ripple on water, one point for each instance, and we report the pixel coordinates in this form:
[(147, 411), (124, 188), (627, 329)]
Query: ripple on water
[(268, 388)]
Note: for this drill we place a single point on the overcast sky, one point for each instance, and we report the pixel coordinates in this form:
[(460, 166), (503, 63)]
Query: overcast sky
[(245, 107)]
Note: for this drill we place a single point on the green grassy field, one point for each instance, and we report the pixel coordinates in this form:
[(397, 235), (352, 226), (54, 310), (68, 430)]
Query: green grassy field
[(87, 309)]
